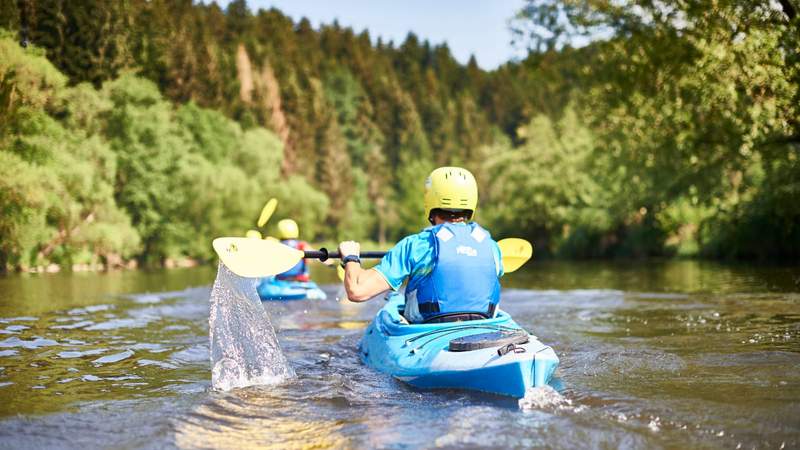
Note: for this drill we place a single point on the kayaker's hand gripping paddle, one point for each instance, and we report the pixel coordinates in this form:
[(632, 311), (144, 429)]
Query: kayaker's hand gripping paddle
[(257, 258)]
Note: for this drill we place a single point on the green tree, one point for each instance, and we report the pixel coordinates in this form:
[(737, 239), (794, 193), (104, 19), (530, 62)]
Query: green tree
[(687, 100), (149, 147), (87, 40), (547, 189)]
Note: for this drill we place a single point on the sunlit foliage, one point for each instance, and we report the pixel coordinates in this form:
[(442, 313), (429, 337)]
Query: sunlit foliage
[(161, 124)]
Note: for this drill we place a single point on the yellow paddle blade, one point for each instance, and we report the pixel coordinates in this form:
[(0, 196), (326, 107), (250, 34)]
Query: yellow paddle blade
[(266, 212), (255, 258), (253, 234), (340, 272), (515, 253)]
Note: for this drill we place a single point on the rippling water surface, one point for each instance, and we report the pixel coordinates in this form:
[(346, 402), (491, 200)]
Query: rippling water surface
[(653, 355)]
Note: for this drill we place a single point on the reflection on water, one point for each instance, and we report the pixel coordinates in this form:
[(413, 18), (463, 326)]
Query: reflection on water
[(657, 276), (668, 354)]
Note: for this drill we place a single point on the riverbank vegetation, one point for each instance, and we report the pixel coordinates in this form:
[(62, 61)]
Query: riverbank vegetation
[(143, 132)]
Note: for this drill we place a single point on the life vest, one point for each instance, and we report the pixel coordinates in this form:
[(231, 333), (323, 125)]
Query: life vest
[(300, 270), (464, 278)]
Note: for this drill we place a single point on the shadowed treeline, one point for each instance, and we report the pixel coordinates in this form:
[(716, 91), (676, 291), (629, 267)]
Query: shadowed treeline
[(141, 129)]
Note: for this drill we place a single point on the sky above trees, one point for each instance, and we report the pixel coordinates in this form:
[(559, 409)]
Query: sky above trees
[(468, 26)]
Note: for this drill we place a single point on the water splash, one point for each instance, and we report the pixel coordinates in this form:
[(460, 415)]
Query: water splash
[(244, 348), (546, 398)]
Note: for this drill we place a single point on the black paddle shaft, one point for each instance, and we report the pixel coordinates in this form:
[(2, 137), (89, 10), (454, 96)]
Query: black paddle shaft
[(323, 254)]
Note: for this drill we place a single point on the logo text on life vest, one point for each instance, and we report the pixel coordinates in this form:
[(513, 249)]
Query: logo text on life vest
[(466, 250)]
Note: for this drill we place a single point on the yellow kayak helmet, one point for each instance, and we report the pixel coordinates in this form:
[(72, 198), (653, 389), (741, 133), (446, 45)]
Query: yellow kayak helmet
[(287, 229), (253, 234), (451, 188)]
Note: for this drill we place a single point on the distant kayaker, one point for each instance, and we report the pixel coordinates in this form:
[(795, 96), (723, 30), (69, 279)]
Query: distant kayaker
[(453, 267), (289, 234)]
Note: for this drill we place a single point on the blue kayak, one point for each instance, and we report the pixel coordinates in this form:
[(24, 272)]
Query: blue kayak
[(271, 288), (490, 355)]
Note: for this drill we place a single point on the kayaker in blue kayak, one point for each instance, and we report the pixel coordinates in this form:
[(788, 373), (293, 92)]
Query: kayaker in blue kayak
[(289, 234), (453, 267)]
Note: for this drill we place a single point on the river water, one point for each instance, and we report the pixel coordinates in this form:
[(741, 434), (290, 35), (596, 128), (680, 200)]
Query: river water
[(653, 355)]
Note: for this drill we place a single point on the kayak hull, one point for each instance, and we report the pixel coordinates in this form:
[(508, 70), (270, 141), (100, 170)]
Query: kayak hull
[(272, 288), (419, 354)]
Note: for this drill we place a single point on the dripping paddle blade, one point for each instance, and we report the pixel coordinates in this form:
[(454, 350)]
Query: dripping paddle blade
[(255, 258)]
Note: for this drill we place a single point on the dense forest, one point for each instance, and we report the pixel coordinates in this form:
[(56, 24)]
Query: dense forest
[(141, 129)]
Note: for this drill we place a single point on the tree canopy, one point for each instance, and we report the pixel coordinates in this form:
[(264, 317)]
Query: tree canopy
[(144, 131)]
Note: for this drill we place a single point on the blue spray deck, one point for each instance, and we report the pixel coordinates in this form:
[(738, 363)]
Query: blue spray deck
[(272, 288), (418, 354)]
